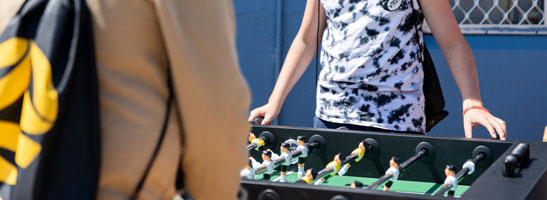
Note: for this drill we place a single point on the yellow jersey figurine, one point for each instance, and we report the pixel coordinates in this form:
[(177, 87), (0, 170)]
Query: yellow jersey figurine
[(359, 152), (334, 166), (259, 142), (308, 177)]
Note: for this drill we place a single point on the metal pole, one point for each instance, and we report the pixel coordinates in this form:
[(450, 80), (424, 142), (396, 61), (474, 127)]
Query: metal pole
[(252, 146), (461, 174), (379, 182), (324, 172), (402, 167)]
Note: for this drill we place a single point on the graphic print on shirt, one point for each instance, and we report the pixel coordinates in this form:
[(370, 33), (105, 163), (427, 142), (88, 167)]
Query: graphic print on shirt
[(391, 5), (371, 74)]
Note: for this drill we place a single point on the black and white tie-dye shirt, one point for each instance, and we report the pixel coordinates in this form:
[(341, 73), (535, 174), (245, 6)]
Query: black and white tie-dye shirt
[(371, 73)]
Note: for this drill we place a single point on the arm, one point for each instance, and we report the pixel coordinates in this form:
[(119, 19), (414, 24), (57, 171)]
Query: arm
[(8, 10), (274, 156), (301, 52), (254, 163), (211, 95), (460, 59)]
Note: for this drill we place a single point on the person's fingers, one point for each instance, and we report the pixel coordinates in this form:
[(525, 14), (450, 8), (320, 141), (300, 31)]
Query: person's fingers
[(484, 122), (252, 115), (468, 128), (257, 113), (268, 118), (497, 127), (504, 126)]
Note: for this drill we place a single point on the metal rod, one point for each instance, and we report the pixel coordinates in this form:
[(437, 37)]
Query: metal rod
[(479, 158), (443, 190), (312, 145), (379, 182), (259, 170), (294, 154), (324, 172), (461, 174), (413, 159), (402, 167), (278, 161), (252, 146), (350, 158)]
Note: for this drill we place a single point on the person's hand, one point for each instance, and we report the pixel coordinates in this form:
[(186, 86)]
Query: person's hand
[(269, 112), (474, 117)]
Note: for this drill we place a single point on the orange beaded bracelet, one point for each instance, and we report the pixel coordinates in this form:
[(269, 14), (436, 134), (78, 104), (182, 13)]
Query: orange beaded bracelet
[(474, 107)]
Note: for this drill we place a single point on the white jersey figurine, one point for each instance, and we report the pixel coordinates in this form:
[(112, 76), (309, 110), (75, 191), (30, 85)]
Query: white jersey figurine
[(286, 156), (393, 171), (450, 181), (301, 142), (247, 173), (266, 163)]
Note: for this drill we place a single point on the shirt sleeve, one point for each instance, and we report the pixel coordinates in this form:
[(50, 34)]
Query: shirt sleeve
[(210, 92)]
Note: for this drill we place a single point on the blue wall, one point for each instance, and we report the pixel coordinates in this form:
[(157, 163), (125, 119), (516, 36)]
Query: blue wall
[(512, 71)]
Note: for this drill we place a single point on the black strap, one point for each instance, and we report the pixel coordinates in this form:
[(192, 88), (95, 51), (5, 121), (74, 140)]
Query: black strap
[(138, 189), (434, 98)]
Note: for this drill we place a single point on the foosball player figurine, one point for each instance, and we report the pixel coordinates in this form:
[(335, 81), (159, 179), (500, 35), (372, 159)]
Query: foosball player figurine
[(334, 165), (267, 163), (286, 155), (246, 172), (259, 142), (360, 152), (301, 142), (273, 157), (356, 184), (393, 171), (450, 181), (308, 177)]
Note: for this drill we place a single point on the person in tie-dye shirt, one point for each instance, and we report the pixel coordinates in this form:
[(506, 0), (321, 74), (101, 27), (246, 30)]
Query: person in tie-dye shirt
[(372, 77)]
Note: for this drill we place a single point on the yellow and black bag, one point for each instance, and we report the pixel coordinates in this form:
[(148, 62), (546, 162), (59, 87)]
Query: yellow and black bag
[(49, 115)]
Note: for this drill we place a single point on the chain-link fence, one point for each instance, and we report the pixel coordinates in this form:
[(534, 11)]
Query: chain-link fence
[(501, 16)]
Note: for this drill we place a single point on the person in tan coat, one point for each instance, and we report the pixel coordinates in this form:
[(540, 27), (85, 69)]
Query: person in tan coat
[(136, 41)]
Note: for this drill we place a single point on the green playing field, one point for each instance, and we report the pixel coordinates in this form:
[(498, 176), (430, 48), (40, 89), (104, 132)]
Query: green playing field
[(398, 186)]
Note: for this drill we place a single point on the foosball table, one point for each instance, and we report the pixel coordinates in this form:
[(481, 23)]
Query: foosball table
[(345, 164)]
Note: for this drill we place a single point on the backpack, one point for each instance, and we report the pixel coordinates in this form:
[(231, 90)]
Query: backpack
[(49, 113)]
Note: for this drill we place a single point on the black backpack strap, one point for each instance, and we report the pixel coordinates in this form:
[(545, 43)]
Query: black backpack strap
[(434, 98), (138, 189), (179, 181)]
